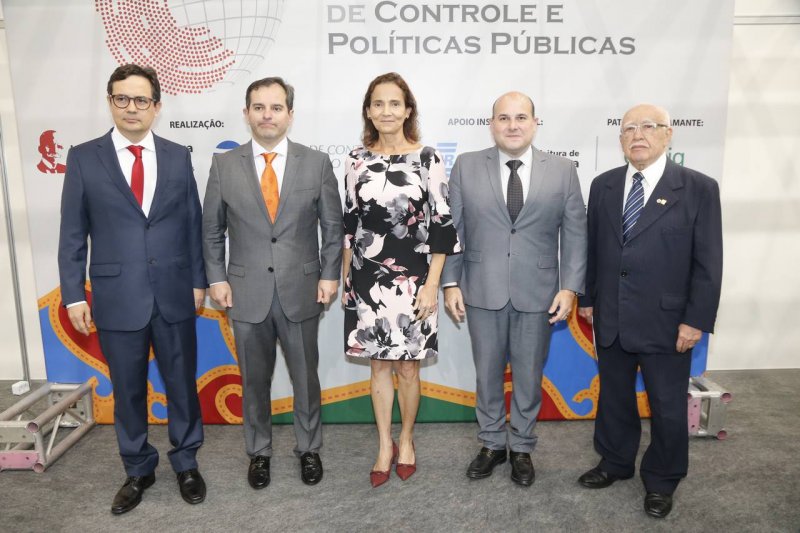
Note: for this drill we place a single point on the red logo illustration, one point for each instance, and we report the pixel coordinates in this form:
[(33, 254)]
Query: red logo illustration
[(194, 45), (187, 59), (50, 149)]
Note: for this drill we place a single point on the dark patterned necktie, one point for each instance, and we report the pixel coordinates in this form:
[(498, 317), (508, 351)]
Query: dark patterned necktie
[(514, 197), (633, 206)]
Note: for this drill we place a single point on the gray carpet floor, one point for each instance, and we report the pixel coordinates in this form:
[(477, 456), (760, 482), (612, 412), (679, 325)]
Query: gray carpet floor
[(748, 482)]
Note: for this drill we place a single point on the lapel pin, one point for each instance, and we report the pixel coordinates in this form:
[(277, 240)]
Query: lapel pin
[(661, 201)]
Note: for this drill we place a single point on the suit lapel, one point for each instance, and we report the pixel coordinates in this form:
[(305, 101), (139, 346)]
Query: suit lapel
[(253, 181), (493, 171), (289, 172), (108, 158), (538, 170), (616, 189), (162, 174), (665, 191)]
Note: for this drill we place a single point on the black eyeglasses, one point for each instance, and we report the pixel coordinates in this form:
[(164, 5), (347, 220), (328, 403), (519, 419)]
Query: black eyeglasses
[(122, 101)]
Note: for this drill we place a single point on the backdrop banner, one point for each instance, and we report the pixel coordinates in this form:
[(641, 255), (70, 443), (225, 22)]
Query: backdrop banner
[(583, 62)]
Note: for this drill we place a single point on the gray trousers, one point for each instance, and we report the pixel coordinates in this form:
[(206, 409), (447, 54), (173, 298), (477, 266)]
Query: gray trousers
[(256, 349), (523, 340)]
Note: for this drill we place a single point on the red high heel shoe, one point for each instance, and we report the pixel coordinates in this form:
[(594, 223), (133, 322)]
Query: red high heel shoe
[(378, 477), (404, 470)]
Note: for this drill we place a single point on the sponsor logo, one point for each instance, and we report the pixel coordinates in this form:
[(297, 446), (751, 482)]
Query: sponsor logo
[(224, 146), (448, 151)]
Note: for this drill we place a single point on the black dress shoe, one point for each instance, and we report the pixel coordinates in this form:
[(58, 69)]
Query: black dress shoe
[(597, 478), (484, 463), (130, 494), (192, 485), (657, 505), (522, 472), (258, 473), (310, 468)]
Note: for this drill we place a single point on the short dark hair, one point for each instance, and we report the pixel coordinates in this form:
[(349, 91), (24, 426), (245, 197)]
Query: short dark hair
[(124, 72), (267, 82), (530, 101), (411, 125)]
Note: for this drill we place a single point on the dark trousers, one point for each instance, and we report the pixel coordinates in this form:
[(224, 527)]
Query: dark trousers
[(618, 427), (175, 349)]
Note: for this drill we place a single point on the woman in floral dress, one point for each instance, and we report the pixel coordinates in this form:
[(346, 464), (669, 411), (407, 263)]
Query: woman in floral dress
[(396, 216)]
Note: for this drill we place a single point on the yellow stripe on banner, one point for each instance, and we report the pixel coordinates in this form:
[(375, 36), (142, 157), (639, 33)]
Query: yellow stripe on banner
[(577, 333), (361, 388), (447, 394)]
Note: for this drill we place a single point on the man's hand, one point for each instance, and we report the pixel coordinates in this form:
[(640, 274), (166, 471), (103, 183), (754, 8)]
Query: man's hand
[(687, 338), (454, 302), (562, 306), (586, 313), (221, 294), (80, 316), (326, 290), (199, 298)]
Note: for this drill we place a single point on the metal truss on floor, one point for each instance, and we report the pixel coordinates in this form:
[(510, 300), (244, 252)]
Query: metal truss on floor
[(35, 443), (708, 405)]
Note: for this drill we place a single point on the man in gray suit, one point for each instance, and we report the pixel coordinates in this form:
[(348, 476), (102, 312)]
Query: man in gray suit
[(516, 210), (271, 195)]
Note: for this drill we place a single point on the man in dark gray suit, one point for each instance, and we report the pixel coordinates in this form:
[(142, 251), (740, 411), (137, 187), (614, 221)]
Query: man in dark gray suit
[(652, 288), (512, 206), (271, 195)]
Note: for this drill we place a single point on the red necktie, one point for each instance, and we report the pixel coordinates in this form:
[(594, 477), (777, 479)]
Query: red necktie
[(137, 173)]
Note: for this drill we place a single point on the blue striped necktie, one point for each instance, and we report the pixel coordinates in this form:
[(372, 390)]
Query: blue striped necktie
[(633, 206)]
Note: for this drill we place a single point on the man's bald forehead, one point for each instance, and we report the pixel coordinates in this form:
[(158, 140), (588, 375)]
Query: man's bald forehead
[(514, 94), (650, 110)]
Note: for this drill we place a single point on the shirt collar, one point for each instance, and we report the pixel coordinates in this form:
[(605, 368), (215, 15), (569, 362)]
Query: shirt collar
[(652, 173), (281, 148), (121, 143), (526, 158)]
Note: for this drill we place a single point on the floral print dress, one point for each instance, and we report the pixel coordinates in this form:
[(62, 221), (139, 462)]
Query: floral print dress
[(396, 213)]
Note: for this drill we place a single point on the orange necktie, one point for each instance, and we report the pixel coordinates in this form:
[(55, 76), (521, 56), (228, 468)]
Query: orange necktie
[(269, 186)]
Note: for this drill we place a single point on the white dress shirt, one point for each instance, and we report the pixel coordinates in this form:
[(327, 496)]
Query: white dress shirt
[(651, 175), (278, 164), (524, 172), (126, 159)]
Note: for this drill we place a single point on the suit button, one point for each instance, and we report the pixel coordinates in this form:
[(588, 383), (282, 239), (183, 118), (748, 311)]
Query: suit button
[(151, 261), (513, 231), (147, 225), (270, 269), (274, 239), (623, 274)]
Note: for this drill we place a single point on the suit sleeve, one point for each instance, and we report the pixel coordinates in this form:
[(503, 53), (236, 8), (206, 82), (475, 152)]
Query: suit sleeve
[(587, 299), (706, 277), (74, 230), (330, 223), (215, 224), (454, 263), (195, 228), (573, 237)]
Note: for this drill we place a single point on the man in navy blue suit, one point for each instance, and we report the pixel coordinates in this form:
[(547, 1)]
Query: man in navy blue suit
[(652, 288), (135, 196)]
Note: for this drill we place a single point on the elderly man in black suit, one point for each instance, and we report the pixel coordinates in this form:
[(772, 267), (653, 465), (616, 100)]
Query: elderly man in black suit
[(652, 289)]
